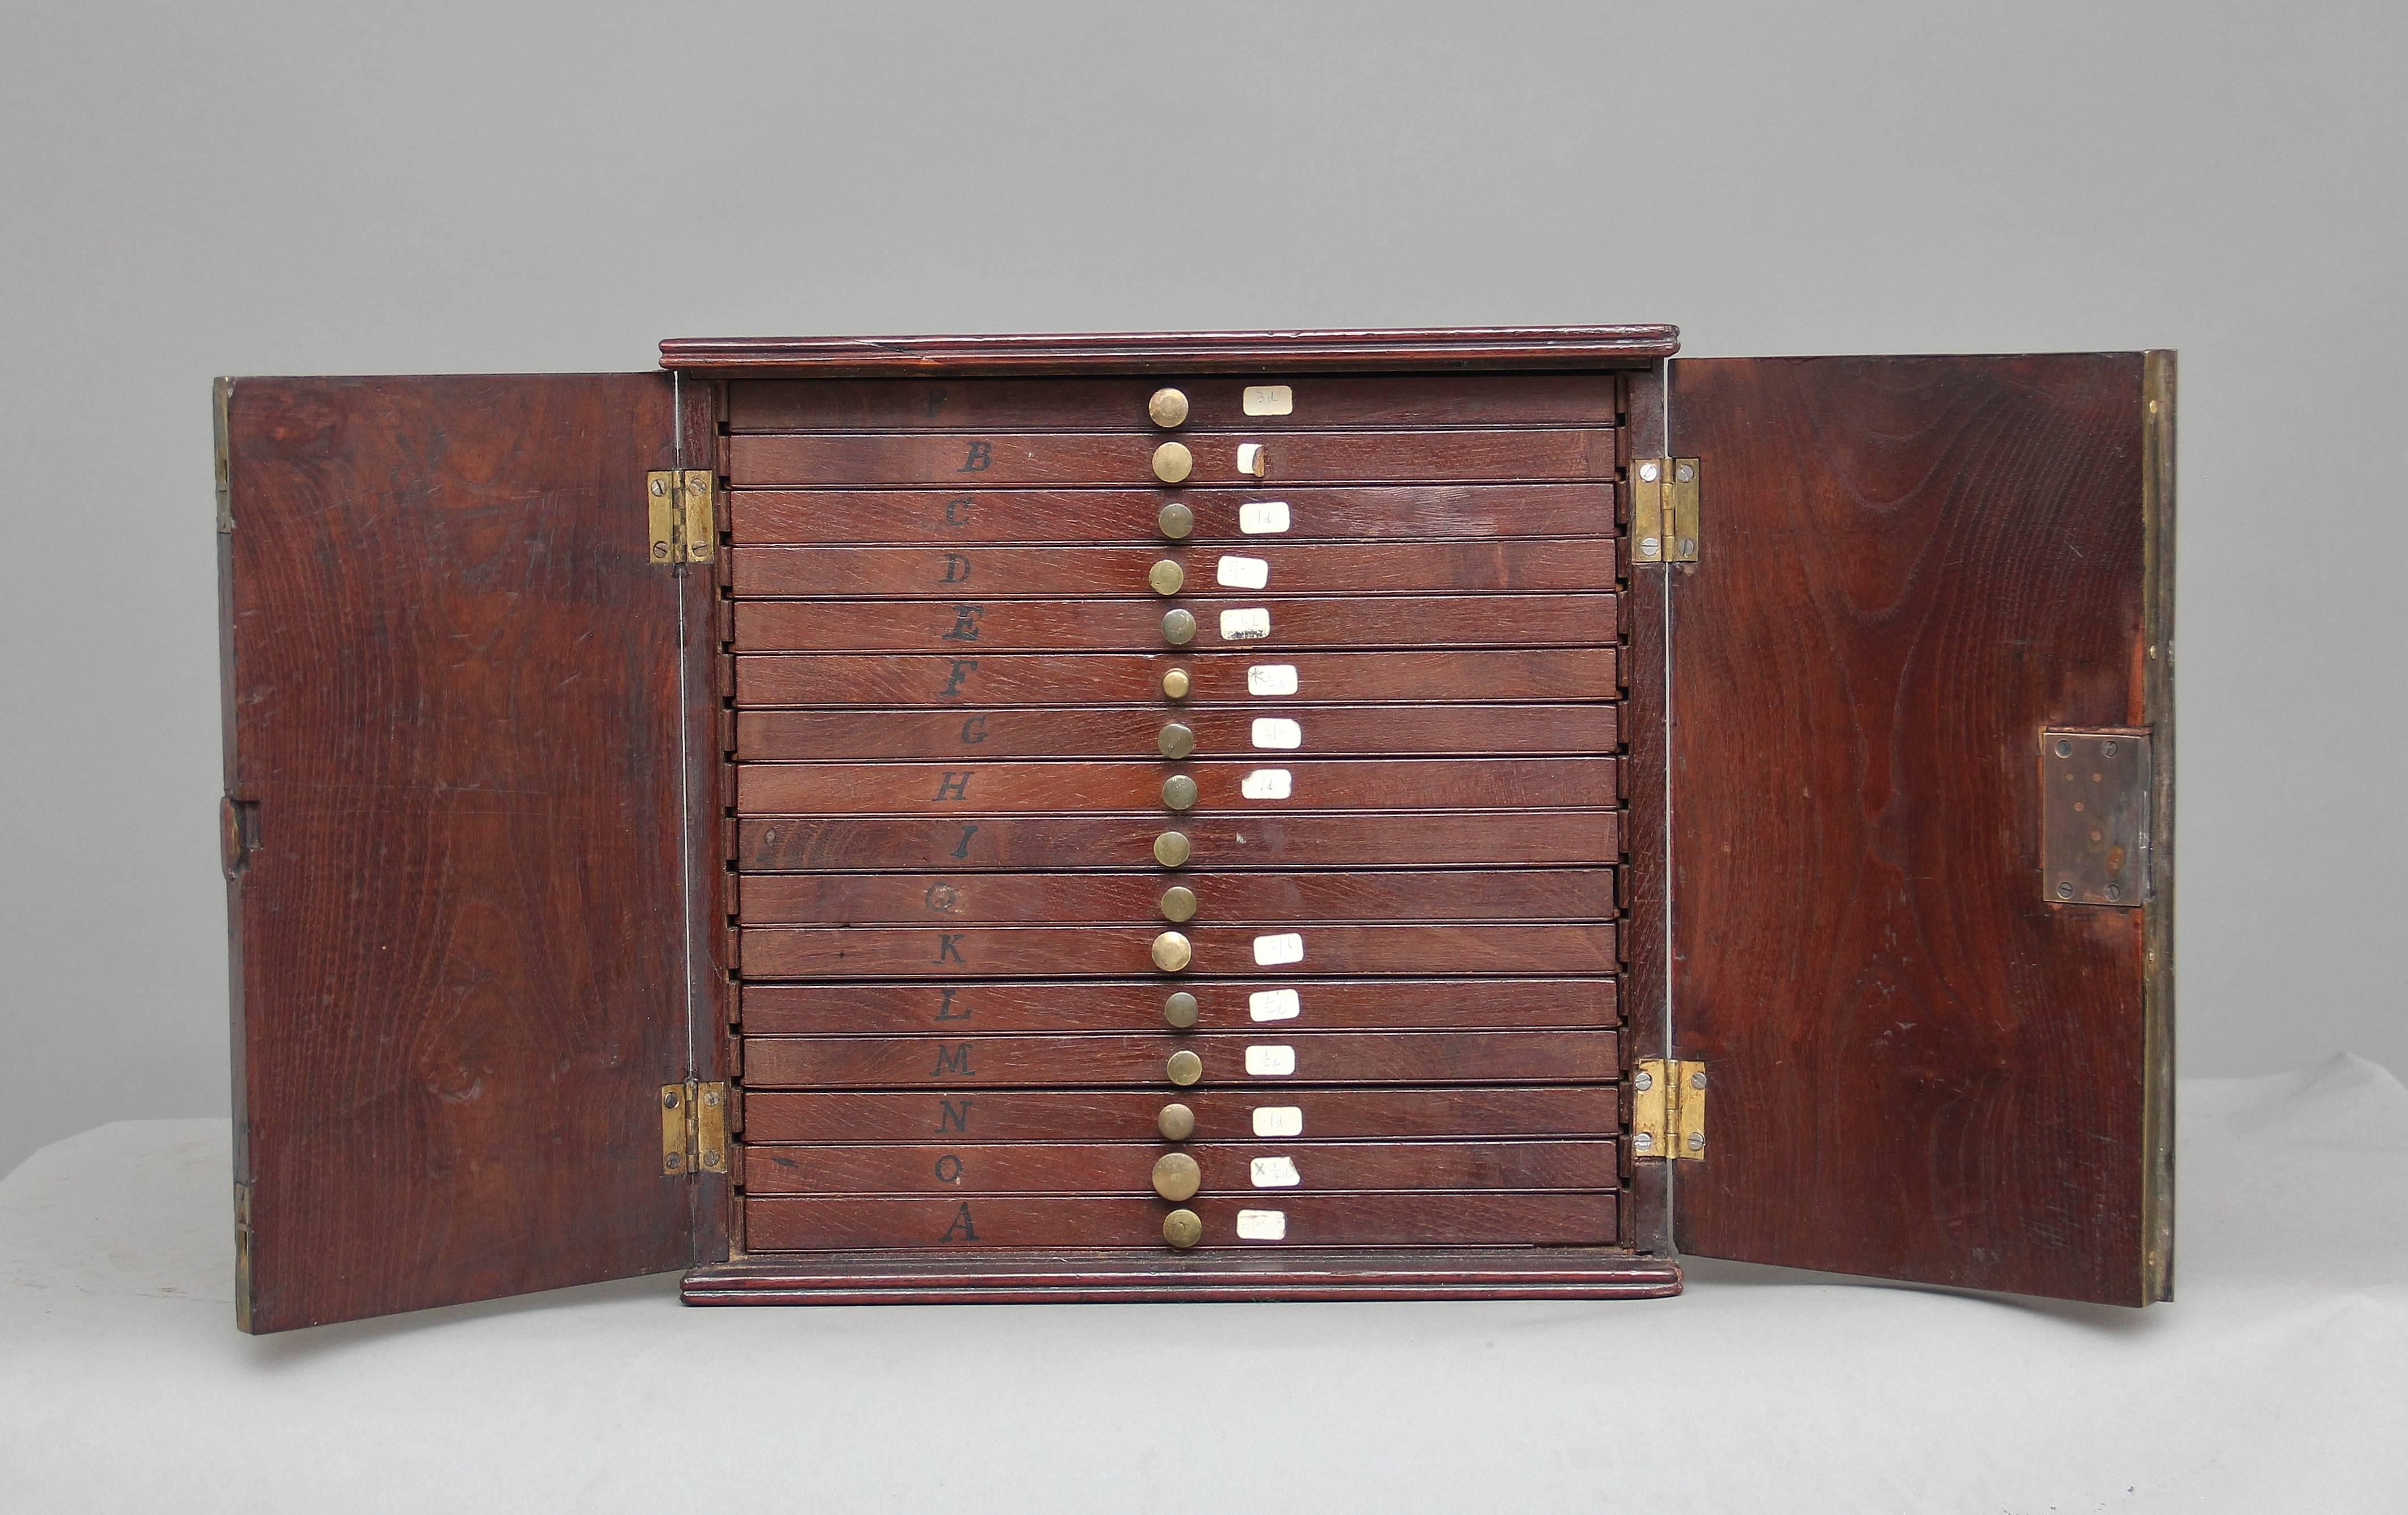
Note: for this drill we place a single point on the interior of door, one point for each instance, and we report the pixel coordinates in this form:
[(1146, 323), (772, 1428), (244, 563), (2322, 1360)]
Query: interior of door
[(454, 849), (1929, 589)]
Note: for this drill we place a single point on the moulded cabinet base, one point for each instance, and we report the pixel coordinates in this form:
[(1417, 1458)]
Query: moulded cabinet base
[(1082, 1277)]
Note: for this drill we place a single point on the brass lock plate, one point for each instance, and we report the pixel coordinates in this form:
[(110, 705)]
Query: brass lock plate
[(2094, 810)]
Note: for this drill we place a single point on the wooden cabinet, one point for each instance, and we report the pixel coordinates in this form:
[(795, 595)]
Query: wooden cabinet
[(1311, 815)]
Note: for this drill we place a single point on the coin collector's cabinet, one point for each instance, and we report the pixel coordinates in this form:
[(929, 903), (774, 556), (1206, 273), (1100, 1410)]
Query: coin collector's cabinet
[(1320, 815)]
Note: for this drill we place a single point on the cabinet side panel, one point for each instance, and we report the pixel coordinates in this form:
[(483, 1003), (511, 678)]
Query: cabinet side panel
[(1921, 1069), (452, 719)]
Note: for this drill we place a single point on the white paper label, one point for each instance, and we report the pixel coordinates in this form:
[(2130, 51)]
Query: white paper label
[(1243, 572), (1250, 458), (1269, 400), (1262, 1225), (1273, 1062), (1279, 1121), (1270, 951), (1274, 1173), (1265, 784), (1248, 625), (1263, 518), (1274, 1005), (1271, 678), (1271, 731)]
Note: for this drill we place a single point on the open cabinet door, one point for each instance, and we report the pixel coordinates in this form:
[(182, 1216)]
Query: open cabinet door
[(1928, 1059), (452, 832)]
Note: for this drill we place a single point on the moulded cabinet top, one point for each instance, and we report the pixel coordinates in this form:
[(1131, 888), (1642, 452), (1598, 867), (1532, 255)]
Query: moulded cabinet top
[(1459, 347)]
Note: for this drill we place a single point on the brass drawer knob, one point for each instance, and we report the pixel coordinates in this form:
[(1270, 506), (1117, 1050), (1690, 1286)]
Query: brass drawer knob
[(1183, 1067), (1181, 1229), (1175, 683), (1176, 520), (1179, 792), (1167, 407), (1176, 741), (1177, 1177), (1179, 903), (1179, 1012), (1179, 627), (1171, 848), (1166, 577), (1176, 1123), (1173, 463), (1170, 954)]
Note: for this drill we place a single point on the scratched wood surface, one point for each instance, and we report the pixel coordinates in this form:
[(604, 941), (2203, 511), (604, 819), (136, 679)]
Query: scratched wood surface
[(1126, 898), (775, 1009), (827, 1222), (1226, 1168), (1262, 624), (965, 1059), (1220, 951), (1404, 1112), (1073, 731), (1089, 516), (1007, 459), (1921, 1069), (451, 708), (1212, 401), (1260, 569), (1058, 788), (974, 680)]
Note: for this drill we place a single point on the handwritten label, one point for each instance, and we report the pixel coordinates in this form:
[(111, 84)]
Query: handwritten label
[(1265, 784), (1279, 1121), (1273, 1062), (1273, 1173), (1274, 1005), (1271, 678), (1243, 572), (1262, 1225), (1271, 731), (1251, 458), (1248, 625), (1263, 518), (1271, 952), (1269, 400)]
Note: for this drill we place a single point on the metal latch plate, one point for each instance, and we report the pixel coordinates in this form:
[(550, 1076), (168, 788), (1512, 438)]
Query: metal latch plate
[(2094, 830), (1664, 510), (1668, 1109)]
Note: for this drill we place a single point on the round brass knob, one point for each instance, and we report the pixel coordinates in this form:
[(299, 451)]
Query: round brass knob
[(1177, 1177), (1176, 741), (1179, 1010), (1176, 520), (1174, 683), (1168, 407), (1183, 1068), (1179, 627), (1181, 1229), (1166, 577), (1170, 954), (1171, 848), (1179, 903), (1179, 792), (1173, 463), (1176, 1123)]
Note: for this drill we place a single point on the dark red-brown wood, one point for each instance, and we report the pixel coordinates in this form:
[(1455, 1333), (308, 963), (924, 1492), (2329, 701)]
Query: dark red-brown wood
[(826, 1223), (1451, 349), (1220, 951), (1220, 1114), (979, 574), (1920, 1068), (451, 714), (973, 626), (788, 1010), (1018, 1168), (1072, 732), (972, 679), (1007, 459), (1103, 404), (967, 1059), (1004, 899), (971, 787)]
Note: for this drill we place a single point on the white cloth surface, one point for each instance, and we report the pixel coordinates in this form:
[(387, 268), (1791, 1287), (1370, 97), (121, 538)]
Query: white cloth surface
[(2277, 1380)]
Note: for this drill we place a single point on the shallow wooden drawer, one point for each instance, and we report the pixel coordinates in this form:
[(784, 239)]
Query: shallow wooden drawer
[(1272, 1169), (984, 574), (1218, 951), (983, 1061), (972, 679), (1072, 732), (1055, 787), (1255, 515), (784, 1225), (1140, 625), (1561, 455), (1360, 840), (1137, 1003), (772, 405), (1138, 898), (1220, 1114)]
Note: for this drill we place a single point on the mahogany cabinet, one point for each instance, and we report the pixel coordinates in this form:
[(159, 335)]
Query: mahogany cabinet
[(1316, 815)]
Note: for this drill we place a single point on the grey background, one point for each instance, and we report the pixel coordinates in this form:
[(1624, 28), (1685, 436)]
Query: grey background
[(191, 190)]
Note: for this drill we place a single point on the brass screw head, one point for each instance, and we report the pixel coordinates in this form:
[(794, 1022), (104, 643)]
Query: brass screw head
[(1176, 741), (1176, 1123), (1183, 1067), (1177, 1177), (1171, 848), (1181, 1229), (1176, 520), (1179, 1011), (1179, 792), (1173, 463), (1176, 683), (1179, 627), (1179, 903), (1172, 953), (1167, 407), (1166, 577)]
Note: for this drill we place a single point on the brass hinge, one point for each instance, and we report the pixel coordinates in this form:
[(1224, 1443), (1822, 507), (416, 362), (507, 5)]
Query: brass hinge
[(1668, 1109), (222, 396), (685, 528), (694, 1128), (1664, 510), (242, 1257)]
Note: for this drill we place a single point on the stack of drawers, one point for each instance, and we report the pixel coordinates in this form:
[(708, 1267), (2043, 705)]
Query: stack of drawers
[(1175, 812)]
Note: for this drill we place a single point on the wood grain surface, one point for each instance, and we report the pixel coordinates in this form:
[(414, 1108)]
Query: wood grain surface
[(1227, 1168), (1212, 401), (1116, 732), (774, 1009), (1269, 354), (972, 679), (1032, 787), (982, 1059), (1220, 951), (817, 1224), (1005, 459), (977, 626), (1407, 1111), (955, 574), (1136, 898)]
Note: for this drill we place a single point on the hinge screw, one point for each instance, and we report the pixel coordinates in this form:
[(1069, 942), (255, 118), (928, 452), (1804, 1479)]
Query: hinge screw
[(669, 1099), (1642, 1081), (1643, 1141), (1648, 472), (2107, 748), (1685, 473), (660, 486), (1649, 544), (1697, 1081), (1696, 1141), (672, 1161), (2113, 893), (2065, 890), (1688, 545), (2064, 747)]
